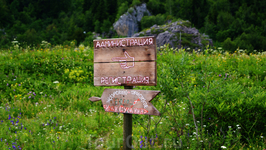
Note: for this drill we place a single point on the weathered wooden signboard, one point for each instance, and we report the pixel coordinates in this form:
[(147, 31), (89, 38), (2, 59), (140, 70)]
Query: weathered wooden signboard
[(128, 101), (125, 62)]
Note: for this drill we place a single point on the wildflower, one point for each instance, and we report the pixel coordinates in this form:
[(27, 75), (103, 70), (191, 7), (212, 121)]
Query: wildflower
[(239, 127), (220, 75), (7, 84), (261, 137), (204, 126), (229, 126), (56, 82), (223, 147), (29, 96), (14, 90)]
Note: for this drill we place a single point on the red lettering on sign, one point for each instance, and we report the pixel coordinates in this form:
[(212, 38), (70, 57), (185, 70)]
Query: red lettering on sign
[(128, 79), (123, 109), (107, 44), (124, 42)]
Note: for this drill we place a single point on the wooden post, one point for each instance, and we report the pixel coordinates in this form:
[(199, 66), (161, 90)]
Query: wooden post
[(127, 128)]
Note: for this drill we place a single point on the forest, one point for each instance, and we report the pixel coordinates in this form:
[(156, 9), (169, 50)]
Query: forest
[(231, 24)]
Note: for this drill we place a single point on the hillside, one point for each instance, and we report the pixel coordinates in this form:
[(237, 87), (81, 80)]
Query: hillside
[(230, 24)]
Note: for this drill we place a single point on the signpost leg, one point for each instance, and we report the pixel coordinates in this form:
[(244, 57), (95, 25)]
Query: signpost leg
[(127, 128)]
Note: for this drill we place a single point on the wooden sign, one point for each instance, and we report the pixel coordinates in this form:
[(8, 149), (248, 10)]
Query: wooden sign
[(128, 101), (125, 62)]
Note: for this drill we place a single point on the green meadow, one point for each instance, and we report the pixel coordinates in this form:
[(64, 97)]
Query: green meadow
[(209, 100)]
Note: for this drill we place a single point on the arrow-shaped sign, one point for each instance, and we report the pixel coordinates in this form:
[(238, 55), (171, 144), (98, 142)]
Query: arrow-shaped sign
[(128, 101), (123, 61)]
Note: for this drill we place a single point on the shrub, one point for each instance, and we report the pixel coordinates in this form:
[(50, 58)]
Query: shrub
[(148, 21)]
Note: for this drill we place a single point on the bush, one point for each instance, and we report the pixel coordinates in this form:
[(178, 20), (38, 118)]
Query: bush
[(229, 45), (148, 21)]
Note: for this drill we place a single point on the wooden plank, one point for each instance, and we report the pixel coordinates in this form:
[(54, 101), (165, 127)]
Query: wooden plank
[(113, 74), (140, 53), (129, 101)]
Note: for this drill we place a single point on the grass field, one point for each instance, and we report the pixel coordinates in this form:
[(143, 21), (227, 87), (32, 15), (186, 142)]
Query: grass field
[(208, 100)]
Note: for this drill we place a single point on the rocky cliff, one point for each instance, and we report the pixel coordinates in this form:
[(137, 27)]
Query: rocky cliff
[(177, 34), (127, 24)]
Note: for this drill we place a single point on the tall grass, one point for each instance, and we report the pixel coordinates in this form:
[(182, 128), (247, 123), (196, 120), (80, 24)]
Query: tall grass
[(209, 100)]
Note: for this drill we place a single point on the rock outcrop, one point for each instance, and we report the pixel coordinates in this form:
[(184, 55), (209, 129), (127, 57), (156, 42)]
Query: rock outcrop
[(127, 24), (177, 34)]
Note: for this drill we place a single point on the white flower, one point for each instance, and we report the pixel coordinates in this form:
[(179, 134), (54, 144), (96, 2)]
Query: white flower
[(204, 126), (44, 129), (44, 108), (41, 92), (56, 82), (229, 126), (161, 122), (198, 122), (223, 147), (187, 124), (201, 141), (261, 137), (193, 139), (184, 108), (239, 127)]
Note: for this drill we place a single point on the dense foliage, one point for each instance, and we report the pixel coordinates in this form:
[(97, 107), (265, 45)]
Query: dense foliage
[(232, 24), (208, 100)]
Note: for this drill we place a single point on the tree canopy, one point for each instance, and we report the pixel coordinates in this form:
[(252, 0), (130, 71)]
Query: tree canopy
[(239, 23)]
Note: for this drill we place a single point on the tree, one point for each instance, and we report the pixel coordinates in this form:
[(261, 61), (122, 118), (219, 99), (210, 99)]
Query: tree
[(5, 17)]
